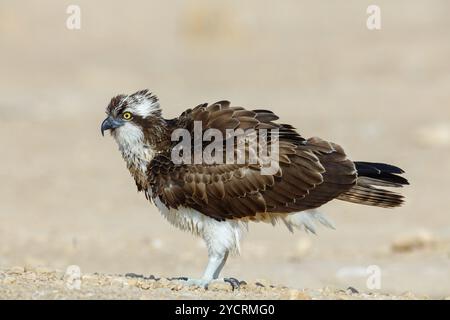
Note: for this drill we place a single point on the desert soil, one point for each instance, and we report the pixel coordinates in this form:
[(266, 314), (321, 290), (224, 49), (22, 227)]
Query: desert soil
[(44, 283)]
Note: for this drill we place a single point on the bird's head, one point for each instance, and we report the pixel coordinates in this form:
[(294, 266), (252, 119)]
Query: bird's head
[(130, 117)]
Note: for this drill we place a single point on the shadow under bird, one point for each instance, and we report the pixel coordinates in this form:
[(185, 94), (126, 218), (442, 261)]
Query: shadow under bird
[(216, 201)]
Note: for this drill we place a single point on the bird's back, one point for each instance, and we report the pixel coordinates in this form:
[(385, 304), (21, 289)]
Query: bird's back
[(310, 172)]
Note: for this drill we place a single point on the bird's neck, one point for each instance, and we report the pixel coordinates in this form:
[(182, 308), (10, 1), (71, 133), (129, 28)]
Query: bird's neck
[(139, 150)]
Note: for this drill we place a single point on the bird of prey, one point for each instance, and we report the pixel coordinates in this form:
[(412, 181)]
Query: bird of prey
[(216, 200)]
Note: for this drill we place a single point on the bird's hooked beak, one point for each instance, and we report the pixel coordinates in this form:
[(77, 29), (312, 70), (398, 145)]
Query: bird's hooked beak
[(109, 124)]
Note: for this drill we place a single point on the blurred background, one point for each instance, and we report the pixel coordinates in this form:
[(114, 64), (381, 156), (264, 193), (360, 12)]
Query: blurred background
[(67, 198)]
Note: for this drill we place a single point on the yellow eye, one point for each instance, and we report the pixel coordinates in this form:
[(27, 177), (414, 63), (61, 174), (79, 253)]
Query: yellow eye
[(127, 116)]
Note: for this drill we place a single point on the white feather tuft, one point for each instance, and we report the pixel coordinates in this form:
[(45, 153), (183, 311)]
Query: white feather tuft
[(143, 105), (305, 220), (136, 154), (219, 236)]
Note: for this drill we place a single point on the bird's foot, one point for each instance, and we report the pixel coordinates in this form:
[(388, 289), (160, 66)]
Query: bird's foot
[(190, 282), (235, 283), (203, 283)]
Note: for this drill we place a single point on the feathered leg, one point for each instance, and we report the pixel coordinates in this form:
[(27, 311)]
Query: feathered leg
[(216, 262), (221, 238)]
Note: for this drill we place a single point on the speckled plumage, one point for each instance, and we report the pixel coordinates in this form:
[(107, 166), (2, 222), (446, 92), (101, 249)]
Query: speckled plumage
[(216, 201)]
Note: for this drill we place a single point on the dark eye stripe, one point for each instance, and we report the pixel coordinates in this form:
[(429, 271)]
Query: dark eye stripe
[(122, 108)]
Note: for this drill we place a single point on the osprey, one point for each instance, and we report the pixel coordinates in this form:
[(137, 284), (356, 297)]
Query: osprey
[(217, 200)]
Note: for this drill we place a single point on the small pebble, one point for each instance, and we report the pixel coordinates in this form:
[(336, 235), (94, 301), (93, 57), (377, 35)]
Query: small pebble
[(176, 287), (89, 278), (144, 285), (132, 282), (147, 284), (295, 294), (163, 282), (352, 290), (30, 276), (119, 282), (9, 280), (414, 241), (134, 275), (17, 270), (43, 270), (262, 282), (218, 285)]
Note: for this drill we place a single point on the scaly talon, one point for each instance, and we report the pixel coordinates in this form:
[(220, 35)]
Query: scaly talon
[(235, 283)]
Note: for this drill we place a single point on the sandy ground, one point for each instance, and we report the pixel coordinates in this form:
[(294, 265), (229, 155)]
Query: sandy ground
[(40, 283), (67, 199)]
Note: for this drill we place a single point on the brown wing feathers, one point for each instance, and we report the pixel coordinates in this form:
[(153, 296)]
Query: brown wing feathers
[(311, 172)]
